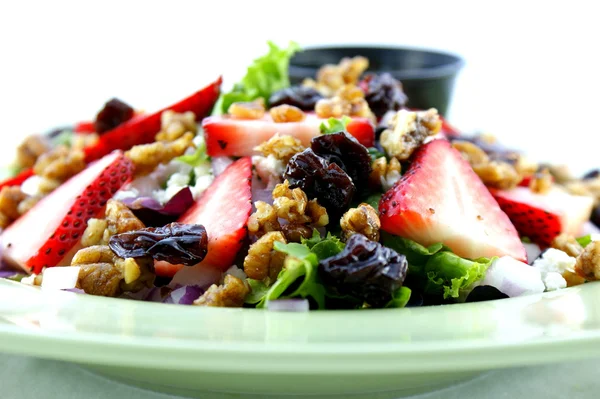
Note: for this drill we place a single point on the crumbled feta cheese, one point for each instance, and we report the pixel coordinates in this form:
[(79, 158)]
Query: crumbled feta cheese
[(61, 278), (554, 281), (552, 264), (202, 183), (513, 278), (554, 260), (390, 179), (269, 169), (595, 237), (31, 186)]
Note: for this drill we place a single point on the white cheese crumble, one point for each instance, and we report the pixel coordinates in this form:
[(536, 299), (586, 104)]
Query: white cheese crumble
[(269, 169), (552, 264)]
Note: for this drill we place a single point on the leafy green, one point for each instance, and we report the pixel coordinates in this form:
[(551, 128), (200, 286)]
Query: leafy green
[(585, 240), (373, 200), (197, 158), (64, 138), (266, 75), (375, 153), (452, 275), (436, 269), (298, 278), (334, 125), (400, 298)]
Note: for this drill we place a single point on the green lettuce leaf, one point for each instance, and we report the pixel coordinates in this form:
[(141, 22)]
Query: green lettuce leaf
[(400, 298), (197, 158), (266, 75), (64, 138), (375, 153), (334, 125), (585, 240), (436, 270), (373, 200), (453, 276)]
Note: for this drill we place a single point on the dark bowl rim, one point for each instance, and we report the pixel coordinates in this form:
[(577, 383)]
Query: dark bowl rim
[(442, 71)]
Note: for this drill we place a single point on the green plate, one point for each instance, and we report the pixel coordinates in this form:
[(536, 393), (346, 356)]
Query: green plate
[(190, 350)]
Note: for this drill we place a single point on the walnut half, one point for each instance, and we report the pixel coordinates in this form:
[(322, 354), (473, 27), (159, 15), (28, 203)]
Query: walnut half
[(230, 294), (361, 220)]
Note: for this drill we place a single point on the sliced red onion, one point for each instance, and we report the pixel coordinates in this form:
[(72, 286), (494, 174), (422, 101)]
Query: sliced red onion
[(533, 251), (219, 164), (185, 295), (199, 275), (153, 214), (75, 290), (60, 278), (288, 305), (514, 278)]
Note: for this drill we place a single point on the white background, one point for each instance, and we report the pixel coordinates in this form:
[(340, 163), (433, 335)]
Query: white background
[(532, 74)]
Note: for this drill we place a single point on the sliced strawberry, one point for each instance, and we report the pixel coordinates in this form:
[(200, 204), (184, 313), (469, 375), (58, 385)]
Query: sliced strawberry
[(84, 127), (45, 234), (142, 129), (236, 137), (18, 179), (541, 217), (441, 199), (223, 210), (527, 180)]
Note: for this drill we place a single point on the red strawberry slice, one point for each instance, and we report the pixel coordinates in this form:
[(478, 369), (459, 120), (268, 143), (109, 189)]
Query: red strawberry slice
[(84, 127), (541, 217), (441, 199), (237, 137), (18, 179), (223, 210), (45, 234), (142, 129)]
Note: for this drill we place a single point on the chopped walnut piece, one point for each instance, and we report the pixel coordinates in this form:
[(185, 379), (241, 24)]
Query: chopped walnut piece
[(498, 175), (31, 149), (263, 260), (293, 206), (408, 130), (118, 219), (541, 182), (568, 244), (385, 174), (60, 164), (10, 198), (174, 125), (147, 157), (105, 274), (348, 100), (296, 232), (286, 113), (588, 262), (231, 294), (248, 110), (493, 173), (332, 77), (82, 141), (263, 220), (283, 148), (361, 220)]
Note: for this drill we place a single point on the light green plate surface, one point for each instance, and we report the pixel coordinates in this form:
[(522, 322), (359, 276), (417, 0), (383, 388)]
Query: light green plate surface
[(189, 350)]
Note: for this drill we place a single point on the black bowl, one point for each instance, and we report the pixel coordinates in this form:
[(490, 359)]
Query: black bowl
[(427, 76)]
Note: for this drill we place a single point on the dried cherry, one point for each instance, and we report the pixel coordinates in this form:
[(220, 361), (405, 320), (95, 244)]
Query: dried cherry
[(383, 93), (345, 151), (365, 270), (112, 115), (320, 179), (302, 97), (178, 244)]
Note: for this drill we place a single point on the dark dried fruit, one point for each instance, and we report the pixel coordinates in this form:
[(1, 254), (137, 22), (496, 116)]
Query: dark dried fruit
[(178, 244), (383, 93), (319, 179), (592, 174), (345, 151), (595, 218), (304, 98), (365, 270), (112, 115)]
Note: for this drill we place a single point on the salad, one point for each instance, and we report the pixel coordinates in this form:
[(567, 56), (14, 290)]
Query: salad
[(331, 194)]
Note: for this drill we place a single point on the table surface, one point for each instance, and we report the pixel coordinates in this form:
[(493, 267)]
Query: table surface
[(575, 380)]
